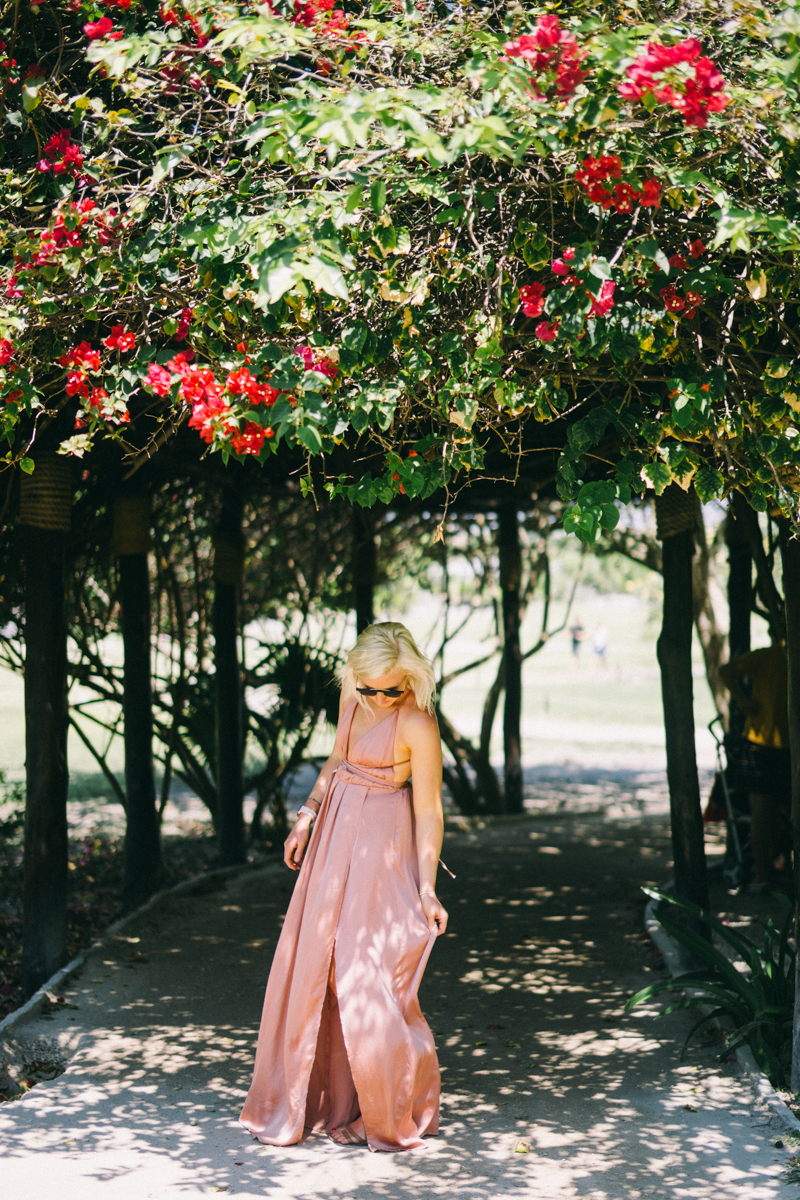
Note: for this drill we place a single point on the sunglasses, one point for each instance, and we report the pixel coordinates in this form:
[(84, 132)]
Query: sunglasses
[(392, 693)]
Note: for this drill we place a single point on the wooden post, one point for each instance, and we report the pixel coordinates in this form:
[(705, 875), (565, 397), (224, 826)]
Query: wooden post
[(510, 578), (45, 504), (740, 597), (142, 833), (674, 521), (364, 567), (790, 561), (228, 563)]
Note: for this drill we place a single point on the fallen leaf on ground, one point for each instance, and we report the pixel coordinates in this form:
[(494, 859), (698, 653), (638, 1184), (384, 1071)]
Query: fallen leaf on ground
[(510, 1043), (522, 1148), (690, 1108), (480, 1043)]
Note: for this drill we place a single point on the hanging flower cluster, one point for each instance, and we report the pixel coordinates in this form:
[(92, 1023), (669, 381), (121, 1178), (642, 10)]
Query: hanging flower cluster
[(213, 415), (61, 155), (80, 362), (553, 57), (679, 76), (73, 225), (597, 176), (532, 299), (104, 28)]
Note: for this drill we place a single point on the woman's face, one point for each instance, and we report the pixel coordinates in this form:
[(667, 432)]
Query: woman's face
[(395, 679)]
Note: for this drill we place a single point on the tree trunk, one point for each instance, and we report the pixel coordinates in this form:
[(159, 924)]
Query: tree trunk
[(46, 499), (675, 520), (740, 598), (510, 577), (228, 560), (364, 567), (709, 634), (142, 833), (790, 556)]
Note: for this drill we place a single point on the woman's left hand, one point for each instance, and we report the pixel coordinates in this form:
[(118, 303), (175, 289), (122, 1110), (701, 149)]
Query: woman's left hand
[(435, 913)]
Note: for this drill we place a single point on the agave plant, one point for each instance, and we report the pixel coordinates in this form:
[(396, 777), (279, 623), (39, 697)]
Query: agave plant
[(758, 1002)]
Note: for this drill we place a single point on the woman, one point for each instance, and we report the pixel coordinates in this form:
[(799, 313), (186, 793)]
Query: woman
[(343, 1044)]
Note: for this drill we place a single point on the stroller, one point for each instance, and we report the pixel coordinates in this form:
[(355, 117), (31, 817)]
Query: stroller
[(729, 802)]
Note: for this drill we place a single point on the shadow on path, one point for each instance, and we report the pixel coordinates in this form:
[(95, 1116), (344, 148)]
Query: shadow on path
[(524, 996)]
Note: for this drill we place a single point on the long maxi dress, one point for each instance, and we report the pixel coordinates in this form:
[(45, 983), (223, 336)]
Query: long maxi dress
[(342, 1032)]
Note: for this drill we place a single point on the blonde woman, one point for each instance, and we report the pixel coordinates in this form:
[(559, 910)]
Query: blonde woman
[(343, 1045)]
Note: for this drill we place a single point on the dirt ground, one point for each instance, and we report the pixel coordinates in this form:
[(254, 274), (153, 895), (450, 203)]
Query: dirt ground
[(548, 1090)]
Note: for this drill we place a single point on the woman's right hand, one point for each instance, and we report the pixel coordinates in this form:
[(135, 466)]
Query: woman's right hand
[(294, 847)]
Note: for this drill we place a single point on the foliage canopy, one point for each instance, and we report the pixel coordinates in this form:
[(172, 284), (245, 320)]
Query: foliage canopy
[(407, 240)]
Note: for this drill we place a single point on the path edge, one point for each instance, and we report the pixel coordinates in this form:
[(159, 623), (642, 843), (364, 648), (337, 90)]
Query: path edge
[(39, 997), (744, 1055)]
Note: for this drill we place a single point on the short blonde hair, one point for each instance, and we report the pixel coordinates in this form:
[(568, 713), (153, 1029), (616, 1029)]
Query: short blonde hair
[(381, 649)]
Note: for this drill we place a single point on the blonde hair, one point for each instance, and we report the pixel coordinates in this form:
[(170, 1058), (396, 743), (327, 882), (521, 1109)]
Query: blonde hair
[(381, 649)]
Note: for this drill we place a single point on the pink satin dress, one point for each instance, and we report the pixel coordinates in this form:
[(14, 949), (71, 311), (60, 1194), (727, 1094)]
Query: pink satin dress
[(342, 1032)]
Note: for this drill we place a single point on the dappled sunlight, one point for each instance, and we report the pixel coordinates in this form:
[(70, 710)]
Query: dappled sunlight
[(526, 1009)]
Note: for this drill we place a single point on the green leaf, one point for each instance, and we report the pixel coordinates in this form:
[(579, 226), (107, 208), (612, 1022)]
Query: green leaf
[(658, 475), (27, 465), (709, 484), (377, 196)]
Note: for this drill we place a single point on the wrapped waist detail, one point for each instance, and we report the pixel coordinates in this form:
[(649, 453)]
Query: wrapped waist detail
[(349, 772)]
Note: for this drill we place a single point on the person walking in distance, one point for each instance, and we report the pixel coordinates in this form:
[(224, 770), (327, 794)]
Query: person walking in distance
[(343, 1045)]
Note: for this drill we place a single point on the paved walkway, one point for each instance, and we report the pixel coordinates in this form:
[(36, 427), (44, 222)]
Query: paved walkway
[(524, 996)]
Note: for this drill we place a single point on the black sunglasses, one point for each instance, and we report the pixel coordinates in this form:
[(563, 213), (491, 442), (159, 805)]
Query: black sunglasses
[(393, 693)]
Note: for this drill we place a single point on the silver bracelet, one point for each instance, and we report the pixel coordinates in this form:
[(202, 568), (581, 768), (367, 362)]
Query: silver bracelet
[(305, 809)]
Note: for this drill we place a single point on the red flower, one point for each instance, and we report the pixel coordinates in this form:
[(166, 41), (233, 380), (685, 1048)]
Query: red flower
[(250, 439), (82, 356), (6, 351), (672, 302), (208, 415), (98, 29), (532, 299), (678, 262), (693, 299), (624, 197), (651, 194), (559, 267), (120, 340), (697, 249), (653, 71), (77, 384), (546, 332), (182, 331)]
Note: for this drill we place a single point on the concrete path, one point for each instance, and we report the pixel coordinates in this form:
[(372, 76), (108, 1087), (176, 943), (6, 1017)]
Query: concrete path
[(524, 995)]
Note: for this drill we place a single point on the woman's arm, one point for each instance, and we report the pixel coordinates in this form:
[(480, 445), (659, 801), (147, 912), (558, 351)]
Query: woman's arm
[(425, 752), (294, 847)]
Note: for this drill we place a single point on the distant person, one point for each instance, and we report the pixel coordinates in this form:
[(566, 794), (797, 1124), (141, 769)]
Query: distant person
[(577, 633), (343, 1045), (765, 763), (600, 643)]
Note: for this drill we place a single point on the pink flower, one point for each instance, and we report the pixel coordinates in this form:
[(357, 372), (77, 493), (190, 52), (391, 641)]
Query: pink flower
[(317, 362), (553, 57), (559, 267), (546, 332), (158, 380), (532, 299), (604, 302), (98, 29)]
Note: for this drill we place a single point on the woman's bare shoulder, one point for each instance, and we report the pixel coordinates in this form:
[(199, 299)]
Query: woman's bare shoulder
[(418, 724)]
